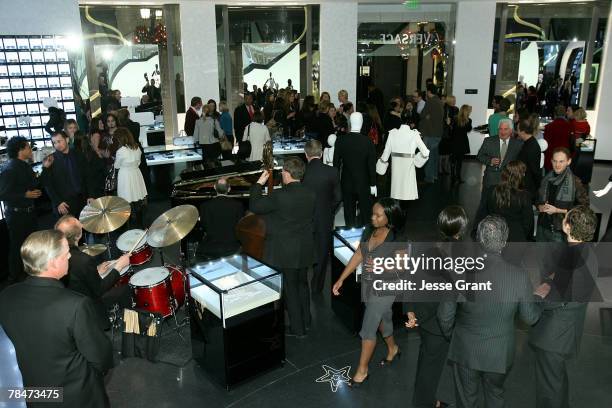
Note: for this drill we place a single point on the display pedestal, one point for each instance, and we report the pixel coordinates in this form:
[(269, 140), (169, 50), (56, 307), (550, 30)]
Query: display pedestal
[(250, 344), (348, 307)]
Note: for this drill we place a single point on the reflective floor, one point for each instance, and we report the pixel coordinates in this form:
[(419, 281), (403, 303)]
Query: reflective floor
[(177, 381)]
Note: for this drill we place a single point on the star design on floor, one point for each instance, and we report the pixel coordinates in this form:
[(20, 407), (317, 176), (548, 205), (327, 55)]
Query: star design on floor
[(335, 377)]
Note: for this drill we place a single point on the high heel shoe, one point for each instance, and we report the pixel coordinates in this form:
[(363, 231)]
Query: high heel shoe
[(356, 384), (384, 362)]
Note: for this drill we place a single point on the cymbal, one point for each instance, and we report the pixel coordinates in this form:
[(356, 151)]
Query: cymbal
[(92, 250), (172, 226), (105, 214)]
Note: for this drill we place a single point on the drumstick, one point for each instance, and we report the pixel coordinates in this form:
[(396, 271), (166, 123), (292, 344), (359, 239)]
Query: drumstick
[(144, 233)]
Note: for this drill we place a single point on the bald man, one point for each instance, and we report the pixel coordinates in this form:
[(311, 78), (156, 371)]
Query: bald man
[(86, 277), (218, 218)]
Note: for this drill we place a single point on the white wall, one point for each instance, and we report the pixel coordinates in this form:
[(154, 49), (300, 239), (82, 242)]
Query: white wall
[(338, 48), (36, 17), (474, 34), (199, 41), (602, 123)]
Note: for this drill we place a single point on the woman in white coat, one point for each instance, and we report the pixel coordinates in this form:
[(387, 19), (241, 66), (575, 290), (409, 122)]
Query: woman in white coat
[(130, 183), (258, 134), (401, 145)]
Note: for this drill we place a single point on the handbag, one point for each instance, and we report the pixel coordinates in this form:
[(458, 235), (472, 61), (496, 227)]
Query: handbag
[(244, 147), (226, 145), (215, 131), (110, 182), (381, 167)]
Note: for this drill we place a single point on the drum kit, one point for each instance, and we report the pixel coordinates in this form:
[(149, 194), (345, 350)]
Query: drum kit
[(157, 289)]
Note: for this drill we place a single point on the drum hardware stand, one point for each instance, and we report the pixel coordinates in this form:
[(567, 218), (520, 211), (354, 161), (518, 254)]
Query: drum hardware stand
[(114, 318)]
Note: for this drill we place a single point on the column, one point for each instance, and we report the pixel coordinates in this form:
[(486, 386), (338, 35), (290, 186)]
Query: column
[(338, 48), (601, 127), (474, 32), (199, 41)]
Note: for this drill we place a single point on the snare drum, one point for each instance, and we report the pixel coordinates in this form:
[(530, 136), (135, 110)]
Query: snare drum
[(152, 290), (124, 276), (142, 253), (177, 283)]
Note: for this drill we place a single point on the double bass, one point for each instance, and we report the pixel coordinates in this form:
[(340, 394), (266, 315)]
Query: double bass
[(251, 229)]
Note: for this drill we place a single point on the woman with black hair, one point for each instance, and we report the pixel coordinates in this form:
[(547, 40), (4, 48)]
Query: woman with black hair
[(306, 118), (434, 381), (387, 225), (96, 164)]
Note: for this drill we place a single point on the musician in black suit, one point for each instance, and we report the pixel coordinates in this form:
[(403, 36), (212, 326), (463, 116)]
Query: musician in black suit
[(55, 331), (243, 115), (324, 181), (354, 154), (65, 178), (482, 343), (85, 275), (557, 335), (289, 245), (218, 218)]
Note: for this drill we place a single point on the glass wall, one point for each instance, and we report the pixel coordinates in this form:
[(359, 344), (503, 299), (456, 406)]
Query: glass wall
[(401, 46), (264, 46), (545, 45), (135, 50)]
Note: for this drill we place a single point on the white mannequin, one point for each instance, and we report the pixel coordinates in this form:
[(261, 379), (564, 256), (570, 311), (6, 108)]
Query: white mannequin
[(356, 124)]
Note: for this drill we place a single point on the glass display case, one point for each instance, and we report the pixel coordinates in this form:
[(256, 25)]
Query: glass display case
[(237, 317)]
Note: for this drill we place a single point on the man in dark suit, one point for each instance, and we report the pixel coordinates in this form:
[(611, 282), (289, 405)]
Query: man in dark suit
[(431, 127), (65, 177), (55, 331), (289, 245), (243, 115), (495, 153), (557, 335), (482, 344), (193, 113), (86, 276), (219, 217), (354, 154), (531, 155), (324, 181)]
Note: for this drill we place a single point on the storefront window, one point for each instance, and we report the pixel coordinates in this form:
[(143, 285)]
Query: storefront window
[(545, 45), (400, 48), (266, 46)]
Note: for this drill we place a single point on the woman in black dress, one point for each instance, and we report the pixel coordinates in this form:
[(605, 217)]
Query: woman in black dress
[(510, 201), (459, 142)]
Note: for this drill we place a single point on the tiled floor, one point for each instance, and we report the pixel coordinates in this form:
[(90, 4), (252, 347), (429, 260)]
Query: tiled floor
[(180, 382)]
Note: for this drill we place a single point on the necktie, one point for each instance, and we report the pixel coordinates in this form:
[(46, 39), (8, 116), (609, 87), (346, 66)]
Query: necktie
[(251, 111), (503, 150)]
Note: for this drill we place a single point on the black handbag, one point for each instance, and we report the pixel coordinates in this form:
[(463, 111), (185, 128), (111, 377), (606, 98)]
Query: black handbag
[(245, 147), (215, 131)]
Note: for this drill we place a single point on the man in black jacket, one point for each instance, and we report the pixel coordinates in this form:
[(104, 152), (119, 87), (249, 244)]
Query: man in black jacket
[(18, 190), (92, 280), (531, 155), (482, 344), (243, 115), (55, 331), (65, 177), (557, 335), (289, 245), (219, 217), (354, 154), (324, 181)]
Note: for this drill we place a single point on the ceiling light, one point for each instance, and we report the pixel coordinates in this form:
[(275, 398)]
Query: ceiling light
[(145, 13), (158, 13), (107, 54)]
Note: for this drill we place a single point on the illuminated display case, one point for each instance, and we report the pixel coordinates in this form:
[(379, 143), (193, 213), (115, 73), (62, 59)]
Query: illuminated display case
[(237, 318), (33, 68)]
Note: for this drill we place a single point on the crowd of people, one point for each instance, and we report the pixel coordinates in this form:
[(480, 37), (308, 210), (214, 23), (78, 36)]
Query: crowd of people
[(467, 347)]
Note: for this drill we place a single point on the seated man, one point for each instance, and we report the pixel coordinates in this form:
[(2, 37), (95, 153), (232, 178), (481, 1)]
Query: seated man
[(219, 217), (85, 277), (57, 340)]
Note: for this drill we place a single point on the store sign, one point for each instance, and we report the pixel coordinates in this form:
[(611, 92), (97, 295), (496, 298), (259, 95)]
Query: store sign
[(413, 39)]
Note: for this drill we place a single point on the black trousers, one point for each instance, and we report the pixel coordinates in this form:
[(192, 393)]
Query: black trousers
[(210, 152), (482, 206), (432, 374), (350, 196), (297, 298), (323, 242), (552, 384), (20, 225), (456, 162), (468, 382)]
